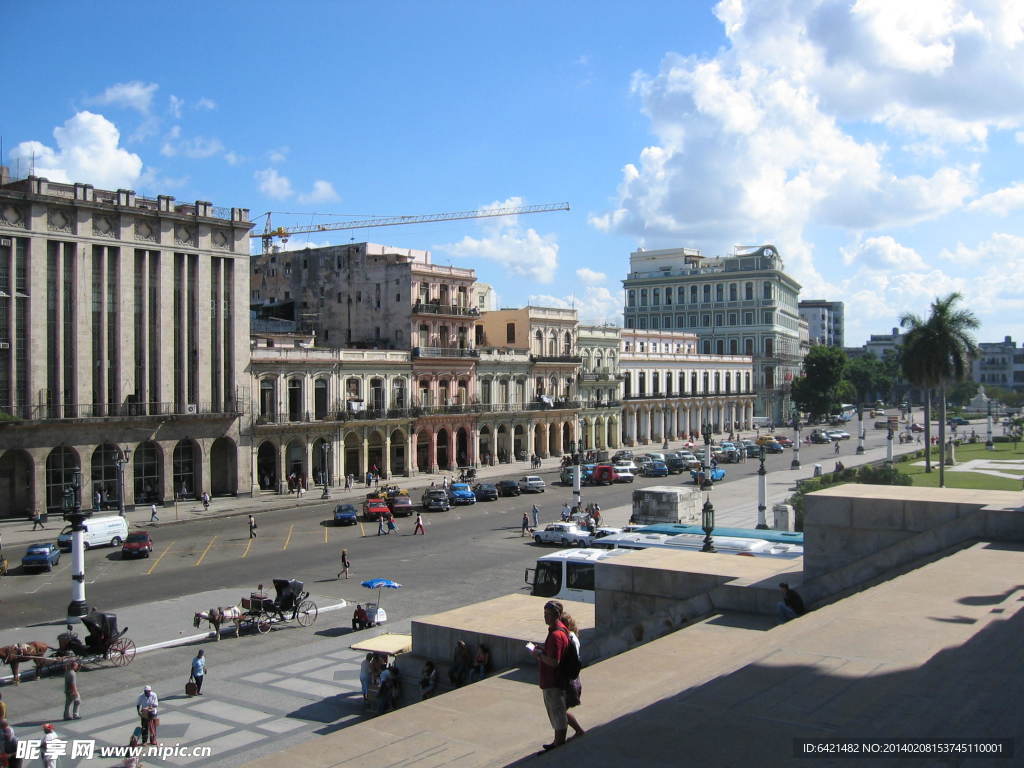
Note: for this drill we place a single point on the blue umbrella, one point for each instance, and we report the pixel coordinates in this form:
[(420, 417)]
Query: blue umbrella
[(380, 584)]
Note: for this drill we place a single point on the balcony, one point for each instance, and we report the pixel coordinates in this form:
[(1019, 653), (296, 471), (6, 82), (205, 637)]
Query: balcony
[(571, 359), (605, 376), (679, 396), (453, 310), (443, 352), (103, 411)]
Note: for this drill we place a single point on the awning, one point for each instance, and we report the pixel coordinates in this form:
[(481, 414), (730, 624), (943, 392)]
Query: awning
[(391, 643)]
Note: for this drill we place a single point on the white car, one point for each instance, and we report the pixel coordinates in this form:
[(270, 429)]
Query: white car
[(628, 466), (624, 475), (563, 534), (531, 484), (655, 456), (838, 434), (692, 462)]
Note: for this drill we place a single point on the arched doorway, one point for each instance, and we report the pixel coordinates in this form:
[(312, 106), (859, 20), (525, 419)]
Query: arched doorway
[(223, 467), (423, 450), (186, 466), (61, 465), (501, 445), (104, 477), (443, 459), (147, 470), (518, 442), (486, 446), (16, 491), (375, 457), (462, 448), (398, 451), (567, 438), (321, 462), (552, 439), (266, 466), (295, 464), (539, 431), (353, 456)]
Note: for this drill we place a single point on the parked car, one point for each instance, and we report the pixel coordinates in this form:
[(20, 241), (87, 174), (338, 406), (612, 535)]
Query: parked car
[(435, 500), (623, 474), (345, 514), (628, 465), (656, 469), (772, 446), (531, 484), (957, 421), (138, 544), (817, 436), (566, 475), (675, 463), (461, 493), (622, 456), (838, 434), (784, 441), (400, 505), (655, 456), (730, 453), (485, 492), (41, 557), (563, 534), (375, 508), (915, 427), (692, 462), (507, 488), (604, 474), (715, 474)]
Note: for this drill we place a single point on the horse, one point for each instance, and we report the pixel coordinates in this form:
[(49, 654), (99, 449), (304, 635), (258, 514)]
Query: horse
[(217, 616), (19, 652)]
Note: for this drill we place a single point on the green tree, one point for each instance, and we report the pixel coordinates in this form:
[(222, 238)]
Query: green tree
[(937, 352), (962, 392), (816, 391), (870, 377)]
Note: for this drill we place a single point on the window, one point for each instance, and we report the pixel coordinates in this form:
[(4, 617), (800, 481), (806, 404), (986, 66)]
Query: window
[(707, 293), (680, 321), (510, 333), (643, 322), (719, 292), (705, 320), (732, 291), (769, 347), (693, 321), (643, 297), (656, 296), (578, 576), (719, 320), (655, 383), (680, 295), (567, 344), (398, 298), (631, 299), (668, 296), (655, 321), (768, 317), (732, 318), (748, 292), (719, 349), (734, 347), (706, 346), (693, 294), (748, 318), (748, 346)]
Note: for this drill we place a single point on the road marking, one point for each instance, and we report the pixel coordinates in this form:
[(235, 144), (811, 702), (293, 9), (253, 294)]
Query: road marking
[(362, 531), (203, 556), (325, 534), (247, 546), (155, 564), (289, 537)]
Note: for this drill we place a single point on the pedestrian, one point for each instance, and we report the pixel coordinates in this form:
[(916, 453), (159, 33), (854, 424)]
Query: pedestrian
[(392, 527), (381, 530), (366, 675), (792, 604), (574, 692), (10, 745), (597, 514), (548, 658), (348, 482), (526, 525), (536, 516), (72, 697), (369, 479), (376, 479), (199, 671), (50, 753), (206, 500), (37, 520), (152, 514), (837, 448), (252, 527), (147, 705), (345, 564), (428, 680), (566, 512), (419, 525)]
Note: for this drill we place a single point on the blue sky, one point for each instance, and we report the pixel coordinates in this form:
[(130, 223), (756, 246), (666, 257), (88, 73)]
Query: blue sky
[(877, 144)]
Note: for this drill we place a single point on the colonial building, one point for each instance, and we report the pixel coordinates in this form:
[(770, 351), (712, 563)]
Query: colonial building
[(600, 387), (124, 343), (744, 304), (670, 391)]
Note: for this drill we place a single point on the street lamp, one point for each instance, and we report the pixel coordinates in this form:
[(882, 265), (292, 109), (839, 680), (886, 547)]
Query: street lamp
[(888, 447), (73, 514), (707, 523), (325, 452), (762, 491), (989, 443), (577, 474), (860, 436), (123, 457), (796, 443)]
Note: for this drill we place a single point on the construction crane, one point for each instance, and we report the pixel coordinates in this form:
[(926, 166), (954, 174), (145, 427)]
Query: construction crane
[(270, 232)]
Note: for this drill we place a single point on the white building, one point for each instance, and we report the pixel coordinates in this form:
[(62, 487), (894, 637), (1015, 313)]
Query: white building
[(824, 321)]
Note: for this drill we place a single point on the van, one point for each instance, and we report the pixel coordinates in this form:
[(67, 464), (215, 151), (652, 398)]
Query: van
[(99, 532), (604, 474)]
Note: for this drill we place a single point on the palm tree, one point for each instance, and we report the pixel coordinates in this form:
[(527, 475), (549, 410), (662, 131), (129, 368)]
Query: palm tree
[(936, 353)]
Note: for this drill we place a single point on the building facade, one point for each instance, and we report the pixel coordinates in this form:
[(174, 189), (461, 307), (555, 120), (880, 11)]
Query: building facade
[(824, 321), (997, 364), (670, 391), (740, 305), (124, 337), (600, 387)]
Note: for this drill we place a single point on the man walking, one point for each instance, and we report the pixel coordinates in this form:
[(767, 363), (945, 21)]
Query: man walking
[(147, 705), (37, 520), (345, 564), (199, 671), (419, 525), (566, 512), (536, 516), (152, 514), (50, 753), (548, 659), (381, 530), (72, 699), (526, 525), (837, 448), (252, 527)]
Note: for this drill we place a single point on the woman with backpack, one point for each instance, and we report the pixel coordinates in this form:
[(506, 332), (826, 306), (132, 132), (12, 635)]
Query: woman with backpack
[(574, 693)]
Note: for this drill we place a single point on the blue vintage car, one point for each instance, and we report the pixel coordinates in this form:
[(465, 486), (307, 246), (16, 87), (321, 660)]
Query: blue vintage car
[(655, 469), (461, 493), (346, 514), (41, 557), (715, 474)]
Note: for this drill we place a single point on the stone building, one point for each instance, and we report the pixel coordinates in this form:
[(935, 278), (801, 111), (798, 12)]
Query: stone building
[(124, 337), (670, 391), (600, 386), (744, 304)]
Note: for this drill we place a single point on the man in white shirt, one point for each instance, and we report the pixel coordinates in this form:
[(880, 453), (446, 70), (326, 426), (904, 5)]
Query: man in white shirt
[(147, 706)]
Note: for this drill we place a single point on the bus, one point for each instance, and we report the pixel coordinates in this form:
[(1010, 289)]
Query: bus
[(780, 537), (728, 545), (568, 574)]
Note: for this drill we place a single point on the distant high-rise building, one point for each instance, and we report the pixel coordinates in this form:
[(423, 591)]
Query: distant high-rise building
[(824, 321)]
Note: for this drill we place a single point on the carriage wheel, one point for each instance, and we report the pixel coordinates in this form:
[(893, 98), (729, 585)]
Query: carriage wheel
[(122, 652), (306, 613), (262, 623)]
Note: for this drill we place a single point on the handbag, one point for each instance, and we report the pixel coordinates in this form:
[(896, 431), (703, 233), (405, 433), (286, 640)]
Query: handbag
[(573, 693)]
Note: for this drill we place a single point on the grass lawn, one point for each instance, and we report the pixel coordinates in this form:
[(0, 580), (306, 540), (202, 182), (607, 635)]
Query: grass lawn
[(964, 453)]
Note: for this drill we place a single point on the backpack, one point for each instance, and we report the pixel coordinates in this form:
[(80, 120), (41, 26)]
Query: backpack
[(569, 665)]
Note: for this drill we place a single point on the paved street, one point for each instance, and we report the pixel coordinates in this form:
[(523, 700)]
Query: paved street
[(267, 691)]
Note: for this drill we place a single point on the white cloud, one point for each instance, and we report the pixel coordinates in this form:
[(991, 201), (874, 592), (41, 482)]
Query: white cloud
[(197, 148), (134, 95), (273, 185), (590, 277), (322, 192), (278, 154), (233, 158), (87, 151), (174, 106), (521, 253), (205, 103), (1002, 201), (883, 252), (596, 306)]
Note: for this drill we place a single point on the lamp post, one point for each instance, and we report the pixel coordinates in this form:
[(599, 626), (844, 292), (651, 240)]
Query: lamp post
[(577, 473), (762, 491), (989, 443), (122, 460), (707, 522), (73, 514), (888, 446), (796, 443), (325, 452), (860, 436)]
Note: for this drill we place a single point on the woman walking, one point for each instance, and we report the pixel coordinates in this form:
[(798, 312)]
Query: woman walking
[(345, 564)]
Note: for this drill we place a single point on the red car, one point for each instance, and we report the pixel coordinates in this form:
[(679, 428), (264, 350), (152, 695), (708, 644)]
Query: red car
[(374, 509), (784, 441), (138, 544)]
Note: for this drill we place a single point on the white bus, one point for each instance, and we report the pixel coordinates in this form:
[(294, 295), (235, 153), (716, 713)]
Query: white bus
[(568, 574), (729, 545)]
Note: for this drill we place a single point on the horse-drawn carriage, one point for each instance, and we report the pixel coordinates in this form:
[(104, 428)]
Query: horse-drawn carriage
[(104, 641), (262, 611)]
